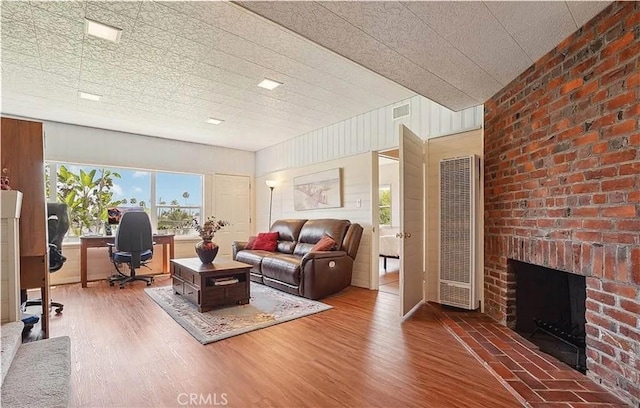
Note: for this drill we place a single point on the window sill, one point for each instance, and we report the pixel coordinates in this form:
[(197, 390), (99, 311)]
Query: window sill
[(187, 238)]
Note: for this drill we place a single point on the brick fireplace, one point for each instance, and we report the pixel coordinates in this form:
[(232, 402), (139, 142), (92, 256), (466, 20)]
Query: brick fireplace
[(550, 311), (562, 186)]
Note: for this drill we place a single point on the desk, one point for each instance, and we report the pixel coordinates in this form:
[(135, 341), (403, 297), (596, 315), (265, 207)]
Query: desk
[(87, 242)]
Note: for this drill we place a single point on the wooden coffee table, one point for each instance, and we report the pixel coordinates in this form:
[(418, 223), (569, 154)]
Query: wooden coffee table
[(208, 286)]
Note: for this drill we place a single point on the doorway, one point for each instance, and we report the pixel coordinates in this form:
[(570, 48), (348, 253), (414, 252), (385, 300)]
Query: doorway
[(233, 204), (388, 222), (410, 210)]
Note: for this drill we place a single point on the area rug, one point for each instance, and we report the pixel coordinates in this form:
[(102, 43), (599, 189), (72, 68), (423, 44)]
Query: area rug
[(266, 307)]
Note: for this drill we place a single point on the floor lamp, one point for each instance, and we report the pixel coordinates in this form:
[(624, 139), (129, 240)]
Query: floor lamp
[(271, 184)]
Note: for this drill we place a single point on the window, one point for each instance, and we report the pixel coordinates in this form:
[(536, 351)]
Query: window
[(385, 206), (179, 200), (172, 200)]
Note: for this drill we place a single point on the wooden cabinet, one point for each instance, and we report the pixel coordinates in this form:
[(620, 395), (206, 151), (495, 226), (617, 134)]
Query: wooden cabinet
[(22, 154), (202, 284)]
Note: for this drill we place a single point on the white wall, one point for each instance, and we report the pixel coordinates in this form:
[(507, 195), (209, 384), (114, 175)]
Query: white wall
[(81, 144), (356, 185), (371, 131), (389, 175)]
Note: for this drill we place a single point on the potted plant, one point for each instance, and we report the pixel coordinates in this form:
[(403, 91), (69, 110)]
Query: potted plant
[(186, 227), (207, 249)]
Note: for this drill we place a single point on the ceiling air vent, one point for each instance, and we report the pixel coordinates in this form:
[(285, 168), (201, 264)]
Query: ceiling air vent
[(401, 111)]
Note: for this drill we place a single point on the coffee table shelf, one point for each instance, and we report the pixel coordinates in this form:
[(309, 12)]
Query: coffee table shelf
[(196, 282)]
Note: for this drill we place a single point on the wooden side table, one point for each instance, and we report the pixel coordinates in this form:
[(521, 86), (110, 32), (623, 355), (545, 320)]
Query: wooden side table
[(202, 284)]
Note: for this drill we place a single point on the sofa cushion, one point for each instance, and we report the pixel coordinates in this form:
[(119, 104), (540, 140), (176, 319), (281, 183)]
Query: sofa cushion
[(282, 267), (252, 257), (325, 244), (286, 247), (314, 230), (288, 231), (266, 241)]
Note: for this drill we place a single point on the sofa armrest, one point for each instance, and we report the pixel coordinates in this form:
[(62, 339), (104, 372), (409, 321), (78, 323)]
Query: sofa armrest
[(324, 273), (238, 246), (322, 255)]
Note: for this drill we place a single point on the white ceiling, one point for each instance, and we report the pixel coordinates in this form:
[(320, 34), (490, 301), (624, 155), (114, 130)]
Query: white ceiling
[(458, 54), (179, 63)]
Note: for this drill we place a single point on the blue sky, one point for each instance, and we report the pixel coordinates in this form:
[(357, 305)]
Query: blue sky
[(169, 186)]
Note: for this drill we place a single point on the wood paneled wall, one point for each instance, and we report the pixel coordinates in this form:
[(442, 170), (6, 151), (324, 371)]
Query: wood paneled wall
[(375, 130)]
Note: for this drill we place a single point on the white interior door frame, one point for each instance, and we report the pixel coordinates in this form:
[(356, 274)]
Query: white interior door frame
[(232, 202), (375, 222)]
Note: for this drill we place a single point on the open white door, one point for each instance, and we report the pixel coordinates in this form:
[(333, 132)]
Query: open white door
[(233, 204), (411, 220)]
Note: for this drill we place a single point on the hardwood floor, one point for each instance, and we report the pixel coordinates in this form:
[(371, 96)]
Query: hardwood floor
[(390, 277), (126, 351)]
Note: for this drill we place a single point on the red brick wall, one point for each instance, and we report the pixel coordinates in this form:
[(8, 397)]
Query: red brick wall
[(562, 185)]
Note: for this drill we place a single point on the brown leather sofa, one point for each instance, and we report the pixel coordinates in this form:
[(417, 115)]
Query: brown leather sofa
[(294, 269)]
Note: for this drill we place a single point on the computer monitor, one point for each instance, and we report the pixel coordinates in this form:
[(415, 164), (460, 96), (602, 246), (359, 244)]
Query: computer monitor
[(115, 213)]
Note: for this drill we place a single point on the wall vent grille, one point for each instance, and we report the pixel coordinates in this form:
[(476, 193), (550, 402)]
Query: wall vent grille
[(455, 295), (459, 184), (401, 111)]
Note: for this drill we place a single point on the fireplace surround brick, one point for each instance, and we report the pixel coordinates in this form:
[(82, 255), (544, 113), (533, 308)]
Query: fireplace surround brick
[(562, 185)]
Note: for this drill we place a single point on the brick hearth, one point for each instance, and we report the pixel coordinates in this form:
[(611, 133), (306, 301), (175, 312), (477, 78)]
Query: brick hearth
[(535, 378), (562, 185)]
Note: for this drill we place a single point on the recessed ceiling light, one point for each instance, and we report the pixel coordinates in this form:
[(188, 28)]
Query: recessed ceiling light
[(269, 84), (214, 121), (89, 96), (103, 31)]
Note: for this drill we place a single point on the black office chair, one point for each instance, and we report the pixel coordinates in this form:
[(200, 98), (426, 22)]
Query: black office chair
[(58, 225), (133, 246)]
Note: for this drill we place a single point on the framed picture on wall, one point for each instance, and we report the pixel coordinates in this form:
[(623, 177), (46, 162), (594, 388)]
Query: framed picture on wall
[(318, 190)]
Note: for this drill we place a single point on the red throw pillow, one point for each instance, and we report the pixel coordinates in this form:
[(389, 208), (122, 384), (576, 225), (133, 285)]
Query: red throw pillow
[(266, 241), (252, 240), (325, 244)]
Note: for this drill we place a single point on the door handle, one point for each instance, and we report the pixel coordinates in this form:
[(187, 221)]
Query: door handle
[(403, 235), (399, 235), (407, 235)]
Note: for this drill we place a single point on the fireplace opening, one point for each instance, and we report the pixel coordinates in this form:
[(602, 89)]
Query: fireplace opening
[(550, 311)]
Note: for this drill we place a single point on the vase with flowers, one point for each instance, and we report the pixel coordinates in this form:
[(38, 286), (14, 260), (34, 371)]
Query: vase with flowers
[(207, 249)]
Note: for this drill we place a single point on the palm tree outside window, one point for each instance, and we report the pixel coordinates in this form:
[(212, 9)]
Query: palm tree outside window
[(172, 200)]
